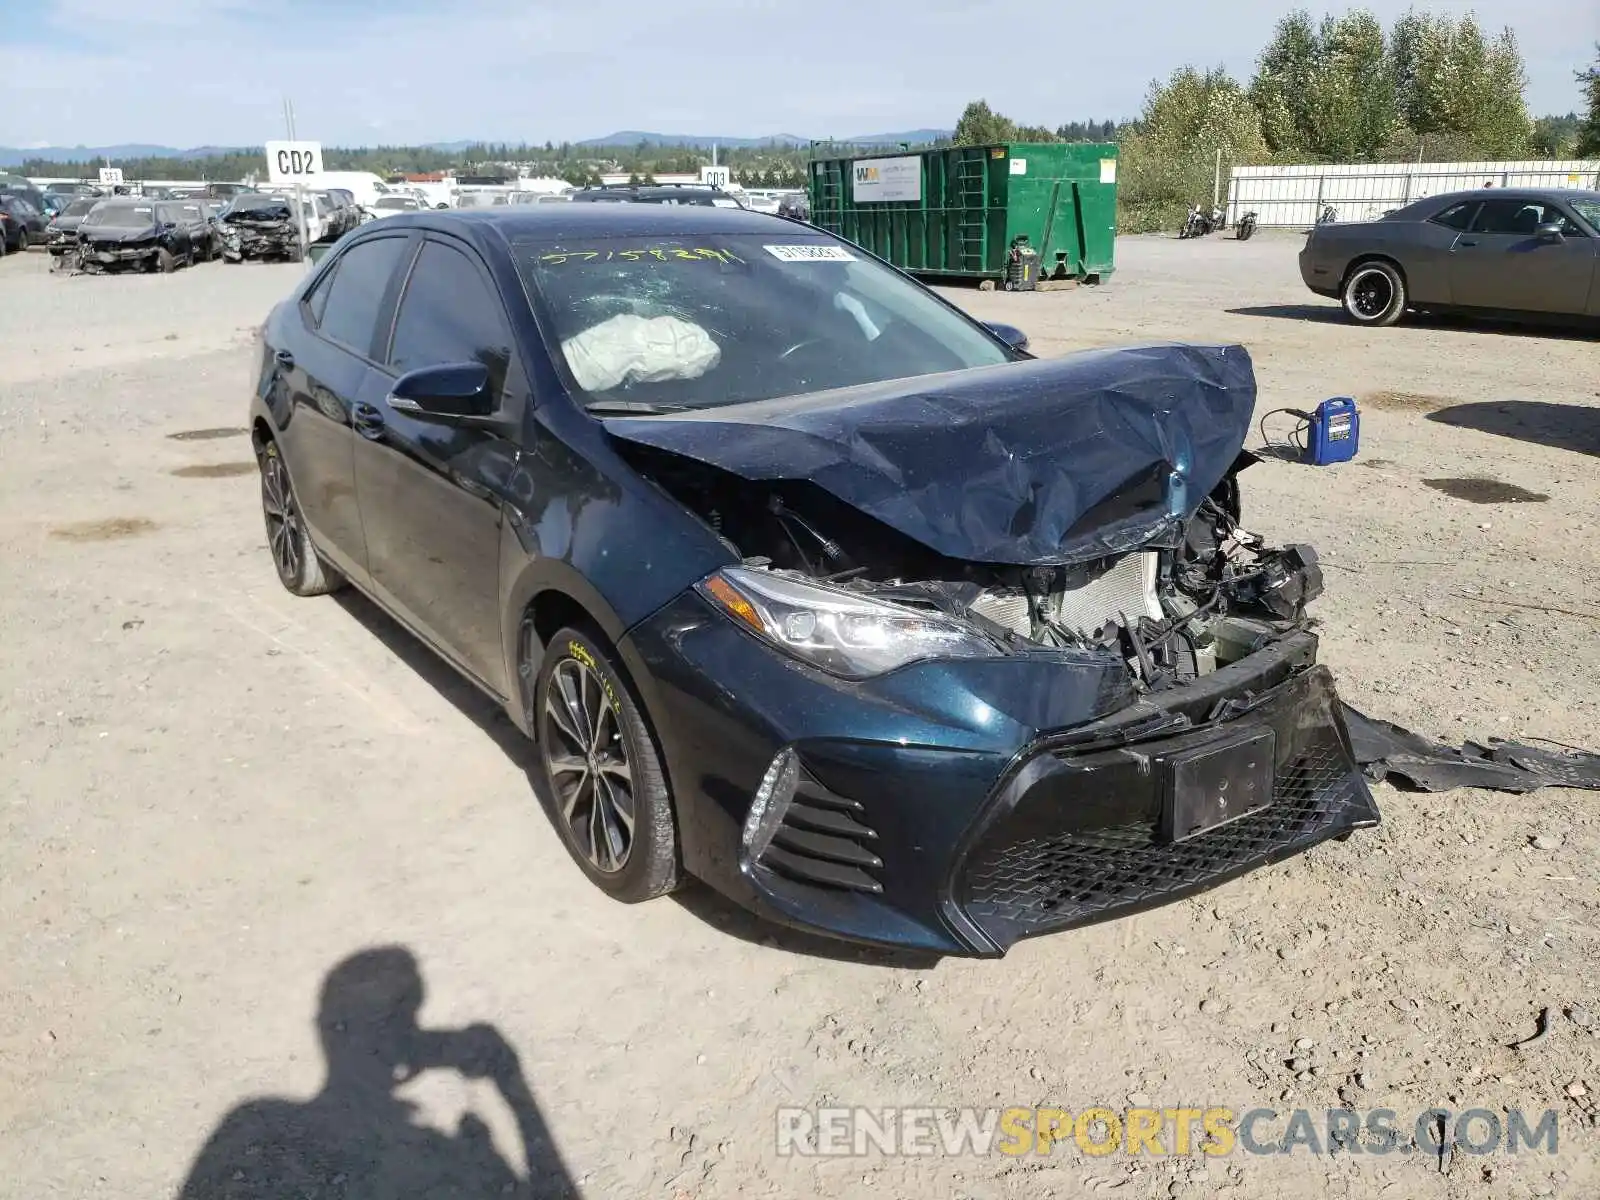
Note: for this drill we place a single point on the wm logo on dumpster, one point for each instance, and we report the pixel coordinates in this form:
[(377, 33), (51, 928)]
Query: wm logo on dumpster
[(866, 174)]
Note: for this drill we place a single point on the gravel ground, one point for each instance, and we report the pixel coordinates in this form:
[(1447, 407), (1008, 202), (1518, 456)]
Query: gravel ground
[(215, 793)]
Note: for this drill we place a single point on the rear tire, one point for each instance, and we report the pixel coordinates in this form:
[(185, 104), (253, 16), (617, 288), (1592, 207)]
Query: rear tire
[(23, 240), (300, 569), (602, 771), (1374, 293)]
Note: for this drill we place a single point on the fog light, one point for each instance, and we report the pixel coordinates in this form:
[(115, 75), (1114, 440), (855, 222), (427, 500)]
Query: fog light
[(771, 802)]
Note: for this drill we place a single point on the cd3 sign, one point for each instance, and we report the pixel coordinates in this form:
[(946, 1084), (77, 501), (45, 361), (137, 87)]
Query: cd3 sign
[(294, 162)]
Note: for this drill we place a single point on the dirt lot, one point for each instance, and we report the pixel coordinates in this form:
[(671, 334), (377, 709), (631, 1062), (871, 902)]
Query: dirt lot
[(214, 793)]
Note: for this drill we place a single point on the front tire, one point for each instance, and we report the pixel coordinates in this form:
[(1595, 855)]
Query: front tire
[(299, 567), (1374, 294), (602, 771)]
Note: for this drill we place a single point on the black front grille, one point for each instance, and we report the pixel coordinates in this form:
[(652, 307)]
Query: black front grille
[(824, 840), (1022, 877)]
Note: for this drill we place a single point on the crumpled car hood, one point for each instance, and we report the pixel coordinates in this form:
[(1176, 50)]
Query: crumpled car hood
[(1053, 461), (265, 218)]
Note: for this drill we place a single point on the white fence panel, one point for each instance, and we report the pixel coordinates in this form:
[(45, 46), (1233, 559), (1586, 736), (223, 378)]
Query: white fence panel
[(1296, 195)]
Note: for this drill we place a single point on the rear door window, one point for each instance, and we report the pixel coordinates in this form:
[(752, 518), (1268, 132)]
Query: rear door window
[(356, 292)]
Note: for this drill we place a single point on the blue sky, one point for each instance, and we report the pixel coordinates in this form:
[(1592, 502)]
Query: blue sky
[(194, 72)]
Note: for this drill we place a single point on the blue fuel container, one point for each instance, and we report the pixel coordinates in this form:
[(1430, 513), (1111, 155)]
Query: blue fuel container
[(1335, 432)]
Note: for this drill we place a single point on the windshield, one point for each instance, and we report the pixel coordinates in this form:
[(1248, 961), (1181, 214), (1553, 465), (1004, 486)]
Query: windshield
[(122, 216), (698, 323), (1589, 210), (81, 206)]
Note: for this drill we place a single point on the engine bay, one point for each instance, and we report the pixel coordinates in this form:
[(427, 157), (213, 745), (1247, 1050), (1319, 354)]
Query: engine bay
[(1170, 612)]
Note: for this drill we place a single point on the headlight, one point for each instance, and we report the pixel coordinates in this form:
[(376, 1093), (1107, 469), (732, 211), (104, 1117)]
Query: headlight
[(841, 632)]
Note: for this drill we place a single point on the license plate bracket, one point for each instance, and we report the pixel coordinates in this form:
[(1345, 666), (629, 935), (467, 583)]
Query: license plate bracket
[(1216, 783)]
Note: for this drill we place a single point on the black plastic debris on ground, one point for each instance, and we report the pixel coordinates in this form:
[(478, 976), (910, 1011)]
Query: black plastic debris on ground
[(1409, 760)]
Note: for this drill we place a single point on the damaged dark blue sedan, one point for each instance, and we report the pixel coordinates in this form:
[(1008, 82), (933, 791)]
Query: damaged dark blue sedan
[(803, 582)]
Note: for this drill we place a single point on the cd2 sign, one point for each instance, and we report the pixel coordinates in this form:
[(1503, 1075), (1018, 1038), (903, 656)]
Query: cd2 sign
[(294, 162)]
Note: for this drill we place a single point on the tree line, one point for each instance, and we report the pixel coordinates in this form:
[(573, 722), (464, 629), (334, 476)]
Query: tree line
[(1343, 89), (774, 165)]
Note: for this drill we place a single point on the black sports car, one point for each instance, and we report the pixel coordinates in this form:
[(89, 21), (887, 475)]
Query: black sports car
[(129, 233), (802, 581), (1502, 251)]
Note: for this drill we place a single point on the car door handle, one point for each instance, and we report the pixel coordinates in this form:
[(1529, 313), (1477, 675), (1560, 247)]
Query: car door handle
[(368, 420), (1466, 242), (284, 359)]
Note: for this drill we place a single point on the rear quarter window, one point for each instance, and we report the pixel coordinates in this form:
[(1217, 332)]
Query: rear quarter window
[(1457, 216)]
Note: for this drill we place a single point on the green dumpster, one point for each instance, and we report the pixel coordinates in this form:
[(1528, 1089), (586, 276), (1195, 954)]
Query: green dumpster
[(957, 212)]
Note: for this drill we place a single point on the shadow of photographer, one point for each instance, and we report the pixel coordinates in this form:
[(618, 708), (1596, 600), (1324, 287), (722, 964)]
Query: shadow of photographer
[(357, 1139)]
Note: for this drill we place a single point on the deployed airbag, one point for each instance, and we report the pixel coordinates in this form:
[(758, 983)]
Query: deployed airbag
[(633, 349), (1044, 462)]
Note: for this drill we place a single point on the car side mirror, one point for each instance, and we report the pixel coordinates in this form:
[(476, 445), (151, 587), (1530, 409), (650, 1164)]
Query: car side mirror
[(1009, 334), (454, 392), (1550, 231)]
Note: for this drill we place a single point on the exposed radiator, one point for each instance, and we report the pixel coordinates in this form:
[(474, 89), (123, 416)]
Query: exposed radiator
[(1128, 589)]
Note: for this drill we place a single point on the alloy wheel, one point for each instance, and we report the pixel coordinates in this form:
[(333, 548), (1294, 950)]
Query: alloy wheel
[(285, 536), (1371, 294), (587, 758)]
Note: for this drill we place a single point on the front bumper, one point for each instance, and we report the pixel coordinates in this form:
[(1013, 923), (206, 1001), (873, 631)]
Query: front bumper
[(251, 242), (111, 253), (955, 808), (1074, 836)]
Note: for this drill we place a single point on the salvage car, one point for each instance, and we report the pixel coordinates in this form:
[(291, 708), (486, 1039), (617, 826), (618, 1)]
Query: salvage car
[(21, 224), (342, 215), (199, 219), (391, 206), (1507, 252), (129, 233), (801, 580), (263, 226), (61, 235)]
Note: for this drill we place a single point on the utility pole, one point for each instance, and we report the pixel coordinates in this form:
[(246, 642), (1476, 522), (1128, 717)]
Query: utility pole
[(299, 189)]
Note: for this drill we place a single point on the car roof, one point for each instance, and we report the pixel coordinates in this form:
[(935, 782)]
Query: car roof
[(1512, 193), (513, 222)]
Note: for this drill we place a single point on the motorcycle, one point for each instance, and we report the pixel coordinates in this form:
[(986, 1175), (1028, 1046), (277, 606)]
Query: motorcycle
[(1200, 221), (1246, 227)]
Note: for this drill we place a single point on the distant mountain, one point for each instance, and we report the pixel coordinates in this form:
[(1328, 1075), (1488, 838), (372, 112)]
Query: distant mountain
[(632, 137), (11, 156), (914, 137)]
